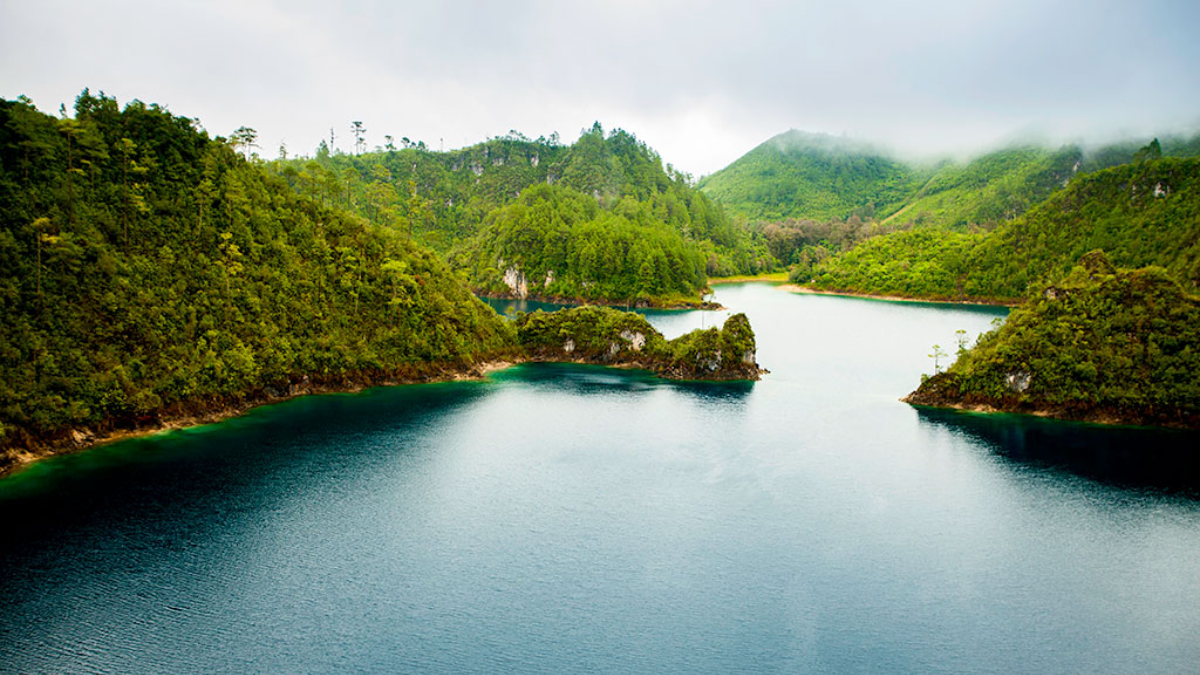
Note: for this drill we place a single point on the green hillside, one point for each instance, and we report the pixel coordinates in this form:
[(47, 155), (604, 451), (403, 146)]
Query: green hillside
[(148, 271), (1101, 344), (446, 199), (555, 242), (1147, 213), (814, 176), (990, 189)]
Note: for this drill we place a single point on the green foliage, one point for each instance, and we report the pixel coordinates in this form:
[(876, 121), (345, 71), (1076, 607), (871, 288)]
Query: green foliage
[(991, 189), (1097, 343), (557, 242), (812, 176), (147, 268), (609, 336), (447, 200)]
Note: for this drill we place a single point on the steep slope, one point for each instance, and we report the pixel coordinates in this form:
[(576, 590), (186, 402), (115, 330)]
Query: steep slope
[(1100, 344), (814, 176), (148, 271)]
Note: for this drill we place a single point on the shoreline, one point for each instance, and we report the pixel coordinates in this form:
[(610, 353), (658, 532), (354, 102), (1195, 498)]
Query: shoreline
[(771, 278), (805, 290), (81, 439), (1097, 417)]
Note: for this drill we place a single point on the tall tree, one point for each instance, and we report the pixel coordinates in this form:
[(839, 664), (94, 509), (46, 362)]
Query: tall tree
[(360, 142)]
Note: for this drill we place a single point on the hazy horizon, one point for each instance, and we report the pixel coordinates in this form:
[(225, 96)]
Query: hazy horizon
[(701, 82)]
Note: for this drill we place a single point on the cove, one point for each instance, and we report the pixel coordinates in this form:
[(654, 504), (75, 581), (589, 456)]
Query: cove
[(561, 518)]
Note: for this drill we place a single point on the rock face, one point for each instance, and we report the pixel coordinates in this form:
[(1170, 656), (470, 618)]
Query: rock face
[(606, 336), (516, 281)]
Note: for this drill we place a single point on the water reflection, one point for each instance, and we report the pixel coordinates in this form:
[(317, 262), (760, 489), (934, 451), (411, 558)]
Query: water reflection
[(591, 380), (1132, 457)]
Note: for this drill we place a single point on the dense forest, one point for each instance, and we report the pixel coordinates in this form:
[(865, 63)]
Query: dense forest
[(1098, 343), (150, 270), (640, 237), (556, 242)]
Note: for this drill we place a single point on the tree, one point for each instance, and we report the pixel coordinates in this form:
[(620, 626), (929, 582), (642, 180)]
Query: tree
[(243, 139), (937, 356), (418, 208), (359, 132)]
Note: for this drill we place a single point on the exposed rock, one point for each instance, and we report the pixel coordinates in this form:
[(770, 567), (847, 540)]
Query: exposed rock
[(1018, 382), (636, 340), (516, 282)]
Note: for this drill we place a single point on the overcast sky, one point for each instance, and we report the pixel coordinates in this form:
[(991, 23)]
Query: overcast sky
[(702, 82)]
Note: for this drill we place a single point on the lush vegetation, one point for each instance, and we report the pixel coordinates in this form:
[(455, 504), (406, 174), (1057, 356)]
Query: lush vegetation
[(149, 271), (647, 224), (815, 177), (1144, 213), (608, 336), (559, 243), (1099, 343)]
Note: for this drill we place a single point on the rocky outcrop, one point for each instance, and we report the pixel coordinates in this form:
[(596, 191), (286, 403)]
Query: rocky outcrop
[(605, 336)]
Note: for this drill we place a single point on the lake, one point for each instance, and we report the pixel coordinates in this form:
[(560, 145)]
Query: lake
[(562, 518)]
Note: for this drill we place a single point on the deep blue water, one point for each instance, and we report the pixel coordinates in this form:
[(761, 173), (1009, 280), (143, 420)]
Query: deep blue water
[(578, 519)]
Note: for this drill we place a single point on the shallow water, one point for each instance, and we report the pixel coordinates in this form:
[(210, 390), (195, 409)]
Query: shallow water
[(570, 518)]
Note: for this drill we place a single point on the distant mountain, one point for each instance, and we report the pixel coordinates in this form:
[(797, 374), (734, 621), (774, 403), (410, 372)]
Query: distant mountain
[(815, 176)]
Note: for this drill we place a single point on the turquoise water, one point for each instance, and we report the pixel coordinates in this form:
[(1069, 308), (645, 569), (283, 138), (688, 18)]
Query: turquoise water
[(578, 519)]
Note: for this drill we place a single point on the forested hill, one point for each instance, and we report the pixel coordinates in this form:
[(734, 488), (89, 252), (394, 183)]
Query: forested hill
[(1145, 213), (149, 271), (814, 176), (447, 200)]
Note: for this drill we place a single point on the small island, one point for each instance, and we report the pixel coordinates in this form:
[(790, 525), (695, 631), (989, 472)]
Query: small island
[(1100, 344), (610, 337)]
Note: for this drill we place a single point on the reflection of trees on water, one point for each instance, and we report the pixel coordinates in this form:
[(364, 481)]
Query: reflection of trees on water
[(589, 380), (1132, 457)]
